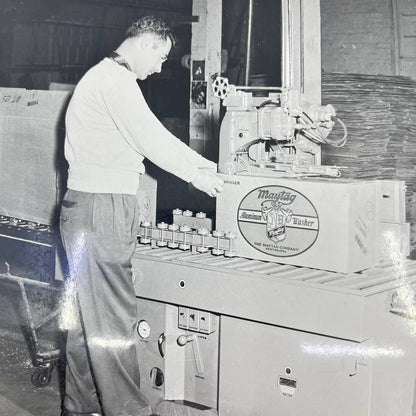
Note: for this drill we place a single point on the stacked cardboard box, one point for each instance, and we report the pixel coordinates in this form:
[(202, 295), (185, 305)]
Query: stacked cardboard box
[(380, 115)]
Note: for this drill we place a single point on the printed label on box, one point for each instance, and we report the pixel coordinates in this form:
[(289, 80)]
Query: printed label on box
[(278, 221)]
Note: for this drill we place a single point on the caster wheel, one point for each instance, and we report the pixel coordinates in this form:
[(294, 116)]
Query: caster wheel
[(41, 377)]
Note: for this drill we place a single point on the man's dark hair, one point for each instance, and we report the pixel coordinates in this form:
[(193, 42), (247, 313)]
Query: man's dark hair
[(150, 24)]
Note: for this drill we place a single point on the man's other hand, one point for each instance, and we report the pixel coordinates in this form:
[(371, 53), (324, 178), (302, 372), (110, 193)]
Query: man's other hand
[(208, 181)]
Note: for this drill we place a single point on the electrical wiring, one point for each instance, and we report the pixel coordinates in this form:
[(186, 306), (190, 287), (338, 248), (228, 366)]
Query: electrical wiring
[(318, 137), (341, 142)]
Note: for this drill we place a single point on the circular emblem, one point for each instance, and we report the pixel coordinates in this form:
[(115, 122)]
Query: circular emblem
[(278, 221)]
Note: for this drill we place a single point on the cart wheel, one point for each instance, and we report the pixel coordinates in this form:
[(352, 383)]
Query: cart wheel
[(41, 377)]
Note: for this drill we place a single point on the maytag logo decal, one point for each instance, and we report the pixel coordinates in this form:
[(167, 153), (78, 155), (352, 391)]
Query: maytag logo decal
[(278, 221)]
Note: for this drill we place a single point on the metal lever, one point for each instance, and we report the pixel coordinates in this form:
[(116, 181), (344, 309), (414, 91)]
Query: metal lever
[(183, 340)]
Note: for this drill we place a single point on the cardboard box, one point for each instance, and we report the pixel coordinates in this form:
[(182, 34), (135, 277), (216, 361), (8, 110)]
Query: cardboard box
[(319, 223), (32, 165), (146, 198), (392, 200)]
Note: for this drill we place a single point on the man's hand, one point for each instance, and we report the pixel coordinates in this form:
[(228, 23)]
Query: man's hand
[(208, 181)]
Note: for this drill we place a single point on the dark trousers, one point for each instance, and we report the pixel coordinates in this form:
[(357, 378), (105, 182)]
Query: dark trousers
[(99, 235)]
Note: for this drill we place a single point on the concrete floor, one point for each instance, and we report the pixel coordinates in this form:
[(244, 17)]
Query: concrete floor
[(18, 396)]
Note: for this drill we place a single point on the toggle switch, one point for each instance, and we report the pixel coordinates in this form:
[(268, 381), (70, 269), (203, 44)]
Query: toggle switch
[(183, 318), (193, 319), (205, 326)]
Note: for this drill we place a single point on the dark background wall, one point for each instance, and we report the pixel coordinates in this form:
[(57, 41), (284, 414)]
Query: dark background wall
[(45, 41)]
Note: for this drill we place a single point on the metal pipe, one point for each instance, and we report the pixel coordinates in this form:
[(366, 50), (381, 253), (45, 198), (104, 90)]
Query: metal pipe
[(248, 50), (25, 240), (17, 279), (29, 316), (47, 67), (71, 23), (136, 4), (249, 88)]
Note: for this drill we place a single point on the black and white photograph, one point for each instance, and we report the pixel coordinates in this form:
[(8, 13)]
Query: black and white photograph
[(207, 207)]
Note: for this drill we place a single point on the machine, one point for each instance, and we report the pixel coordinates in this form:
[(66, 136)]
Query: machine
[(301, 300), (276, 135), (298, 301)]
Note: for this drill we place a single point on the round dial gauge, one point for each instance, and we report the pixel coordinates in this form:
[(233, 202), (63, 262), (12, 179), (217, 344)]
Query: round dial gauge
[(143, 328)]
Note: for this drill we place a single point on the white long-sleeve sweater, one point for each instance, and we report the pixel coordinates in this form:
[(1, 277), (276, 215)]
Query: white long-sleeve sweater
[(110, 130)]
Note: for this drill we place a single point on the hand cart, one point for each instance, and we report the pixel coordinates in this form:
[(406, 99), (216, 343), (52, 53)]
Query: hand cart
[(43, 361)]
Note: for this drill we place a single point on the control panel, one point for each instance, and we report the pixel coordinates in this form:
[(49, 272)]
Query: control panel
[(178, 352)]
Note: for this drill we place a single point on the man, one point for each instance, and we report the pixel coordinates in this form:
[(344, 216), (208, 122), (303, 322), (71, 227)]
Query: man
[(109, 131)]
